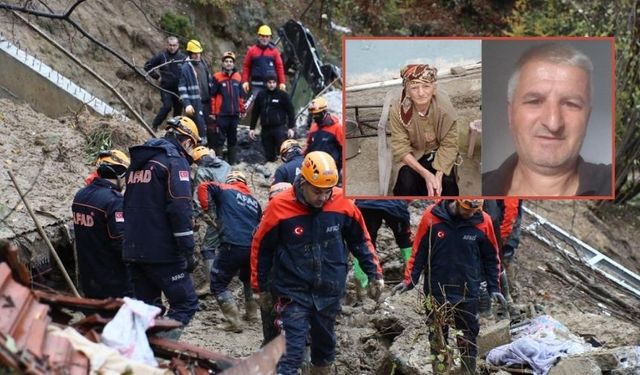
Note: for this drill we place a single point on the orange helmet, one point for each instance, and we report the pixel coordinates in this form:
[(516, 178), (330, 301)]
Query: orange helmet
[(199, 152), (236, 176), (277, 188), (183, 125), (288, 148), (318, 105), (319, 169), (230, 55), (470, 204), (112, 163)]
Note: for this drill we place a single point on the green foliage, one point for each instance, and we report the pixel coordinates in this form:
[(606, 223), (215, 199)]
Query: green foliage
[(179, 26), (216, 3), (598, 18), (97, 141)]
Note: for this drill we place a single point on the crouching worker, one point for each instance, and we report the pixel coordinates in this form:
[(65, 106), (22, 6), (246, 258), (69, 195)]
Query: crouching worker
[(237, 216), (300, 258)]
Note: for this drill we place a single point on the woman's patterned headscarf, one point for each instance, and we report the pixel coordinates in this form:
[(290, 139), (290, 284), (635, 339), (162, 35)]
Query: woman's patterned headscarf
[(414, 73)]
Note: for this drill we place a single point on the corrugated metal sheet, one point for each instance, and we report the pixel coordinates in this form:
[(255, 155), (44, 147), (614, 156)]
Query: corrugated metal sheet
[(24, 342)]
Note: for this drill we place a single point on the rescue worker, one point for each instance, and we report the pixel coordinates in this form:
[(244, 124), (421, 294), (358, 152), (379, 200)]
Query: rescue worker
[(299, 258), (98, 222), (456, 238), (268, 313), (261, 59), (158, 237), (274, 109), (226, 108), (209, 168), (506, 215), (291, 156), (237, 216), (395, 214), (326, 132), (170, 61), (195, 87)]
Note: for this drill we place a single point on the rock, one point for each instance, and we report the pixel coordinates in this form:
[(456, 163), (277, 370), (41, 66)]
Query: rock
[(576, 365), (458, 71), (611, 359), (626, 371), (493, 336), (410, 352)]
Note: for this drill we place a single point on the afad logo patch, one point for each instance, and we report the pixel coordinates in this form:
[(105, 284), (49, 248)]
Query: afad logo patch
[(119, 217), (184, 175), (298, 230)]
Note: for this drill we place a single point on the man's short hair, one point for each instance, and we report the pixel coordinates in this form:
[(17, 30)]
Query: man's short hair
[(556, 53), (172, 39)]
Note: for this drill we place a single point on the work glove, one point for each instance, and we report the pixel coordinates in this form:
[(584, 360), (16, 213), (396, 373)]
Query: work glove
[(375, 289), (498, 298), (282, 86), (192, 262), (245, 87), (265, 300), (189, 110), (290, 133), (401, 287)]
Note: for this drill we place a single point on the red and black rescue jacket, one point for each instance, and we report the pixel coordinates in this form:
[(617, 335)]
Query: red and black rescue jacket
[(302, 253), (227, 94), (463, 252)]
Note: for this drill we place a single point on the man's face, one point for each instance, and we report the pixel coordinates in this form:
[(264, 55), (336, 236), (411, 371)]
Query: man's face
[(264, 39), (271, 85), (188, 145), (315, 196), (172, 46), (196, 56), (548, 114), (420, 92), (228, 63)]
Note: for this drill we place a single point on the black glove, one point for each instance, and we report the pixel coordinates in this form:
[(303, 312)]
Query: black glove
[(192, 262), (401, 287)]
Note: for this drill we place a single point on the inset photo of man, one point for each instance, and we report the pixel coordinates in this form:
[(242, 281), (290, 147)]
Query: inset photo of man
[(548, 118)]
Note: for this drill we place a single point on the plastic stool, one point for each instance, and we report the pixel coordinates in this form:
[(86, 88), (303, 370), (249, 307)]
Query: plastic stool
[(475, 128)]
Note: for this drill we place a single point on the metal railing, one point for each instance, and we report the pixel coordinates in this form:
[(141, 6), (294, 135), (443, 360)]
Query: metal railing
[(59, 80), (583, 252)]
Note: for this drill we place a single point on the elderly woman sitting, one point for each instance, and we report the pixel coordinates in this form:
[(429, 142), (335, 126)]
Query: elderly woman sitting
[(424, 137)]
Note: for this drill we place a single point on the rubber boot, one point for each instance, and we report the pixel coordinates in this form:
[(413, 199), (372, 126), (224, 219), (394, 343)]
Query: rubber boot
[(406, 254), (251, 308), (231, 313), (468, 365), (232, 153), (320, 370)]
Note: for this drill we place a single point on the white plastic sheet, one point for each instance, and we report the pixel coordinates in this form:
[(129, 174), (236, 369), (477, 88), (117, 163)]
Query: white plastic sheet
[(126, 332), (539, 345)]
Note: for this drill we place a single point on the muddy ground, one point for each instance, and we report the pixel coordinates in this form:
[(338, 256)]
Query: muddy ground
[(47, 156)]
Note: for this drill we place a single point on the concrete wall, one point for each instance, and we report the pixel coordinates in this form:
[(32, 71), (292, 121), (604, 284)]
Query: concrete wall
[(27, 85), (24, 77)]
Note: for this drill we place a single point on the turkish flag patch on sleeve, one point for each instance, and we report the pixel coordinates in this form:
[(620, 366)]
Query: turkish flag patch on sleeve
[(119, 217), (184, 175)]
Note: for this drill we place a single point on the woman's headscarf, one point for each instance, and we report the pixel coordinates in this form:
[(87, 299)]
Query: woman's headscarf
[(422, 73)]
